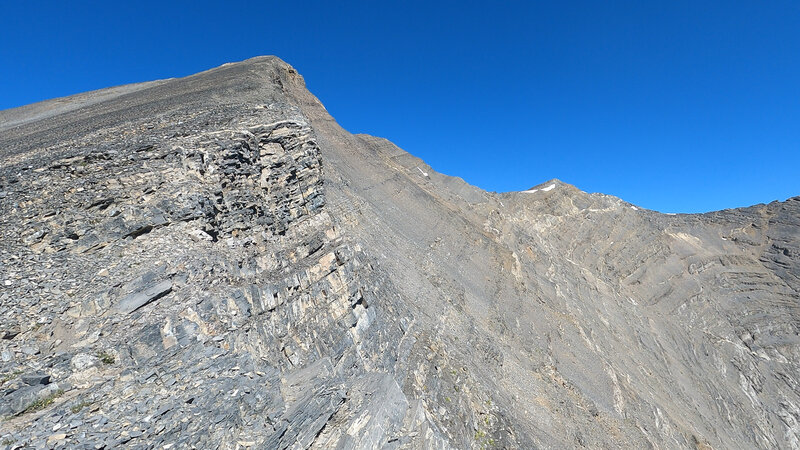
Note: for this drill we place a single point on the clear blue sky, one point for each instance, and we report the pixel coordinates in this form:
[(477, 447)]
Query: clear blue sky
[(678, 106)]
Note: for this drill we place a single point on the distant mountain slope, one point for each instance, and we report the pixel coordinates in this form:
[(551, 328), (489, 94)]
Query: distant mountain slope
[(213, 262)]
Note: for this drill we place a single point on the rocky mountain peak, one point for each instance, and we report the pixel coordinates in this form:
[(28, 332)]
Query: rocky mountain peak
[(212, 261)]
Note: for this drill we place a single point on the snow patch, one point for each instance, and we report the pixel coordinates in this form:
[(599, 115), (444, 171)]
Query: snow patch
[(544, 189), (424, 174), (634, 208)]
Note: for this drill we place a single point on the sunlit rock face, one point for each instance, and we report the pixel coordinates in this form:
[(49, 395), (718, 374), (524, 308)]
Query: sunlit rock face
[(213, 262)]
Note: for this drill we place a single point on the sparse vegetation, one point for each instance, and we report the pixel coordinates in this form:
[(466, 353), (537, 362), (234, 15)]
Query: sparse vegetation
[(43, 402), (106, 358), (483, 440), (9, 376), (78, 407)]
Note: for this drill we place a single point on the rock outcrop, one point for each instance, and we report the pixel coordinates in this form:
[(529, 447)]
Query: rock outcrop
[(213, 262)]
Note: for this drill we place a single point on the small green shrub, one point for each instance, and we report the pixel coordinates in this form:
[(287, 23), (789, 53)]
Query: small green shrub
[(106, 358), (77, 408), (9, 376), (43, 403)]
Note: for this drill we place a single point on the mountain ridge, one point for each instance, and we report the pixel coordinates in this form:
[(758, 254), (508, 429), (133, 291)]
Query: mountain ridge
[(242, 259), (115, 91)]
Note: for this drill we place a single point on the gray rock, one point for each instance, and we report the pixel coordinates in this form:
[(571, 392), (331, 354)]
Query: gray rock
[(327, 290), (11, 333), (30, 350), (136, 300), (33, 379), (27, 399), (82, 361)]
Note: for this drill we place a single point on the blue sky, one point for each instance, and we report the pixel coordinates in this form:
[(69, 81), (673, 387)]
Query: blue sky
[(678, 106)]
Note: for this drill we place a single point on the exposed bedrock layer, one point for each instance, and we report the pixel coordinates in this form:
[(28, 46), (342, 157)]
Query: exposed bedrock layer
[(213, 262)]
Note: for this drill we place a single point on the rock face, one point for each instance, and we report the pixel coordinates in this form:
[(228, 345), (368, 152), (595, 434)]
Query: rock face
[(213, 262)]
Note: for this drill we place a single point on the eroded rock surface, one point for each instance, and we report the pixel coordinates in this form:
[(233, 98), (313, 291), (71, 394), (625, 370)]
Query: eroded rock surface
[(213, 262)]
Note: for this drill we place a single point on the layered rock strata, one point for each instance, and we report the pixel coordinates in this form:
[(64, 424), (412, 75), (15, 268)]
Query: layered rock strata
[(213, 262)]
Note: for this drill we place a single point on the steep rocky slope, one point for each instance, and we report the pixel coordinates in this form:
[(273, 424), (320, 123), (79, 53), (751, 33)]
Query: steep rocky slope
[(213, 262)]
